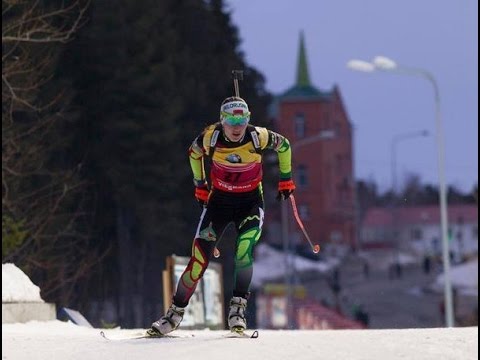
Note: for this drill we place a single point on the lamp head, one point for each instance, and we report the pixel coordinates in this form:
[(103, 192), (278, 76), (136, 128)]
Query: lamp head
[(360, 65), (384, 63)]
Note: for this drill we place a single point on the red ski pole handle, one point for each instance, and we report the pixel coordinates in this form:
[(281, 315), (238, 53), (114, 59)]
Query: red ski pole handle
[(316, 247)]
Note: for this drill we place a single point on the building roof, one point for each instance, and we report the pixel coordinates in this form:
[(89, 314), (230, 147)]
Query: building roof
[(382, 217), (305, 92), (320, 316), (303, 89)]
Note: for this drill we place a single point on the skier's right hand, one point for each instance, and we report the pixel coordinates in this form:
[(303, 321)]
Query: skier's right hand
[(201, 193)]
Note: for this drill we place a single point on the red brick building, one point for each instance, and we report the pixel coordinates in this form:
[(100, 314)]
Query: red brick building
[(317, 125)]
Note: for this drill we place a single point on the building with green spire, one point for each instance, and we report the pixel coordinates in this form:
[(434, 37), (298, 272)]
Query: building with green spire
[(303, 87), (319, 129)]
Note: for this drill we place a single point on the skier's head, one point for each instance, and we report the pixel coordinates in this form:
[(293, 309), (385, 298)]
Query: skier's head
[(234, 116)]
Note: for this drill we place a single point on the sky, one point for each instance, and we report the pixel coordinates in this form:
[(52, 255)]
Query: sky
[(440, 36)]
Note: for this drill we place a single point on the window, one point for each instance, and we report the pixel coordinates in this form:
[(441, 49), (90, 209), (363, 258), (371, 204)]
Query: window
[(436, 245), (303, 212), (301, 176), (416, 234), (326, 120), (336, 236), (338, 129), (338, 163), (300, 125), (343, 190)]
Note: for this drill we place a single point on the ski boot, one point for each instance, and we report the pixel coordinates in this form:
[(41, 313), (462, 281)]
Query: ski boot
[(167, 323), (236, 315)]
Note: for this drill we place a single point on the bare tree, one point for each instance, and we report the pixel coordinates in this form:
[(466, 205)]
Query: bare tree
[(43, 193)]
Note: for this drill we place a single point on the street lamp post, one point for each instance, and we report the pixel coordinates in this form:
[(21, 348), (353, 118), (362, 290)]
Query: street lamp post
[(397, 139), (289, 259), (385, 64)]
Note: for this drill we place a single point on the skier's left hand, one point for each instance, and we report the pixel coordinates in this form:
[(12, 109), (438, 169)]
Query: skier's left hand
[(285, 189)]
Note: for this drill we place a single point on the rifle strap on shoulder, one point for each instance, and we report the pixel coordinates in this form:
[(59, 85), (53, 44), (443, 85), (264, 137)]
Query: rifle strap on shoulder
[(213, 139), (250, 129), (255, 139)]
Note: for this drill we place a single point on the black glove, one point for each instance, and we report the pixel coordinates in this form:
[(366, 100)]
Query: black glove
[(285, 189)]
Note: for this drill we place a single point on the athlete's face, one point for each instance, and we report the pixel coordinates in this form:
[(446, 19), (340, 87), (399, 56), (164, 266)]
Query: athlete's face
[(234, 132), (234, 125)]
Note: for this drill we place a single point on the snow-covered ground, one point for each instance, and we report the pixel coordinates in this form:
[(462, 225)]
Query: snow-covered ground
[(269, 264), (52, 340), (66, 341), (464, 277)]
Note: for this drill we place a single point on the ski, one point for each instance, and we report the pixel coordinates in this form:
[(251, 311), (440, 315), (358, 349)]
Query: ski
[(144, 335), (240, 333), (234, 334)]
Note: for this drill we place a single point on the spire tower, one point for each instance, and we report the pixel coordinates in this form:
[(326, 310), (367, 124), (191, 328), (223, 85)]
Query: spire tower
[(303, 78)]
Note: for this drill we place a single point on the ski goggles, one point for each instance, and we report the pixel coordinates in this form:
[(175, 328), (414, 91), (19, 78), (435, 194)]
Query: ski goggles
[(235, 119)]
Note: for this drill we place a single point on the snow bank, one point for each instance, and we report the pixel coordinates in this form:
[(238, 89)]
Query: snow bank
[(17, 287), (270, 264), (464, 277)]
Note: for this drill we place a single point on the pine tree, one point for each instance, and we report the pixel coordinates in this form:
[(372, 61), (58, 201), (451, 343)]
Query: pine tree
[(42, 188), (149, 76)]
